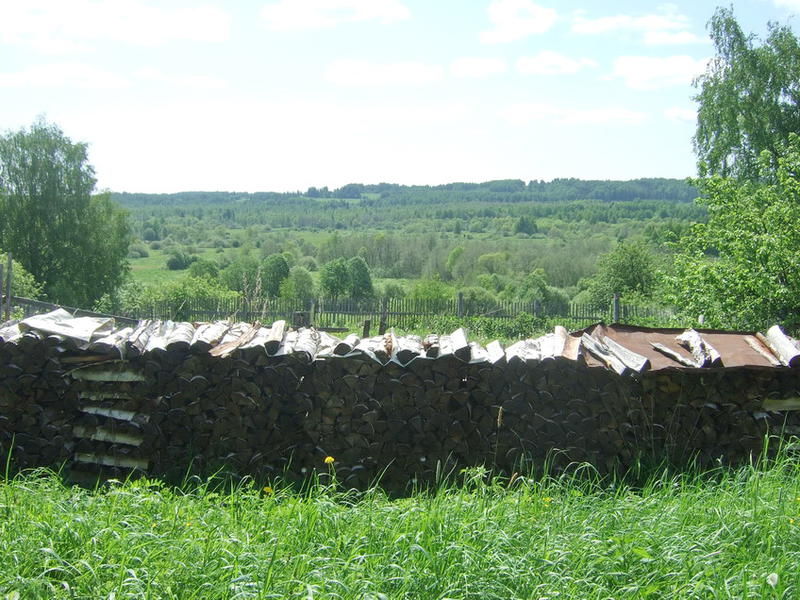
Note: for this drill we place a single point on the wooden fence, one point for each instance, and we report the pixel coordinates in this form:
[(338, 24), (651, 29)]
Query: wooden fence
[(349, 313)]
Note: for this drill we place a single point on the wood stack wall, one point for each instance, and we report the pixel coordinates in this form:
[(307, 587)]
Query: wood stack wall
[(180, 410)]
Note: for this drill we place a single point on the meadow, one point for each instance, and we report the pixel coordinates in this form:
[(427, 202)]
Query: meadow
[(730, 533)]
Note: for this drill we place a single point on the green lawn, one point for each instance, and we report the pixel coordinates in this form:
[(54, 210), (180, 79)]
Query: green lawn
[(729, 535)]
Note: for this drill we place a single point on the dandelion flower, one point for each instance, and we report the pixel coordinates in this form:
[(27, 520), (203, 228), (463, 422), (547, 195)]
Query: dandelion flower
[(329, 460), (772, 579), (268, 490)]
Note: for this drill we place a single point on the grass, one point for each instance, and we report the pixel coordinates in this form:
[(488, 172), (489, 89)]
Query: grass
[(722, 535)]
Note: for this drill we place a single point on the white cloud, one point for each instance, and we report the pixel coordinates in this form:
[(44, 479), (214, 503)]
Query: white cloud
[(521, 114), (201, 82), (55, 26), (667, 28), (72, 75), (548, 62), (681, 115), (476, 68), (788, 4), (362, 72), (652, 73), (293, 15), (516, 19)]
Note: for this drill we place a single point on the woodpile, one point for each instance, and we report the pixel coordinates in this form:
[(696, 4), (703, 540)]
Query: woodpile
[(172, 399)]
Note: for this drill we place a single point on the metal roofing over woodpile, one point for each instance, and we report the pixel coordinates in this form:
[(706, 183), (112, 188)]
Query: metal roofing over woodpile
[(621, 348)]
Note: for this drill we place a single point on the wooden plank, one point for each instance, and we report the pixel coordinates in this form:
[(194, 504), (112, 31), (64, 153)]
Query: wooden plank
[(112, 461), (602, 353), (778, 404), (114, 413), (101, 434)]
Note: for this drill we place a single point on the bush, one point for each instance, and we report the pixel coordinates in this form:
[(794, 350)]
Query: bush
[(138, 250), (180, 260)]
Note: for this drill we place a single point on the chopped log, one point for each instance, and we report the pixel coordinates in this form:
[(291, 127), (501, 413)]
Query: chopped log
[(495, 352), (704, 353), (180, 337), (601, 351), (407, 348), (460, 346), (677, 357), (115, 373), (275, 337), (307, 343), (552, 345), (632, 360), (208, 335), (137, 342), (782, 345), (226, 348), (524, 351), (762, 350), (431, 345), (114, 343), (347, 345)]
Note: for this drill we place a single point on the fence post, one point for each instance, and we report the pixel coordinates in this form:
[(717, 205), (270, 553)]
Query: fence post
[(616, 309), (367, 324), (9, 276), (460, 305), (384, 316), (537, 308)]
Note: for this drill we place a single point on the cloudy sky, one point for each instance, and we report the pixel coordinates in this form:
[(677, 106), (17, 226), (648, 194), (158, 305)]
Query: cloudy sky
[(281, 95)]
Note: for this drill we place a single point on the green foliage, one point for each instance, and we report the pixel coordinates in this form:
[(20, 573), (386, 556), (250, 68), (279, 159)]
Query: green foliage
[(630, 270), (138, 250), (494, 262), (359, 279), (334, 278), (298, 285), (478, 301), (742, 268), (179, 259), (748, 98), (74, 244), (23, 284), (242, 274), (175, 296), (433, 291), (525, 225), (274, 270), (390, 289), (204, 269)]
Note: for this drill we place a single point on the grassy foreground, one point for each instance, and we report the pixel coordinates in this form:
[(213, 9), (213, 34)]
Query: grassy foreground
[(730, 534)]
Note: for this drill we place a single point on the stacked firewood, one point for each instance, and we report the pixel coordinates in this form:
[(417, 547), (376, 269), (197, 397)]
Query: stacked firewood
[(172, 398), (34, 415)]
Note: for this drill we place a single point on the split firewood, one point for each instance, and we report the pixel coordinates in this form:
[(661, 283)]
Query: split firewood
[(704, 353), (782, 345)]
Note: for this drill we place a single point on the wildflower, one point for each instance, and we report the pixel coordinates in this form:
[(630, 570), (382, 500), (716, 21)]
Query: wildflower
[(329, 460), (791, 521), (268, 490), (547, 499), (772, 579)]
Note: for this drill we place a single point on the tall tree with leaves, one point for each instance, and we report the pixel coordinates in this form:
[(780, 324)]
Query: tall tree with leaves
[(742, 268), (359, 278), (749, 98), (73, 244)]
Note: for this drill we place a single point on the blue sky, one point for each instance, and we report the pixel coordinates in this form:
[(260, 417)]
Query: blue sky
[(286, 94)]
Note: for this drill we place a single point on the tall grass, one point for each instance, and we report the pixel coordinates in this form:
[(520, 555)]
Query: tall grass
[(733, 533)]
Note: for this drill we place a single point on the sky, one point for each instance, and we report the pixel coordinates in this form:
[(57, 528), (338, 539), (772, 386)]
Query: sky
[(282, 95)]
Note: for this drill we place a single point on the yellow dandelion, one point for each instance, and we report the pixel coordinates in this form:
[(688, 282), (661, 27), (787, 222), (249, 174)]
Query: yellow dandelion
[(329, 460), (547, 499), (791, 521), (268, 490)]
